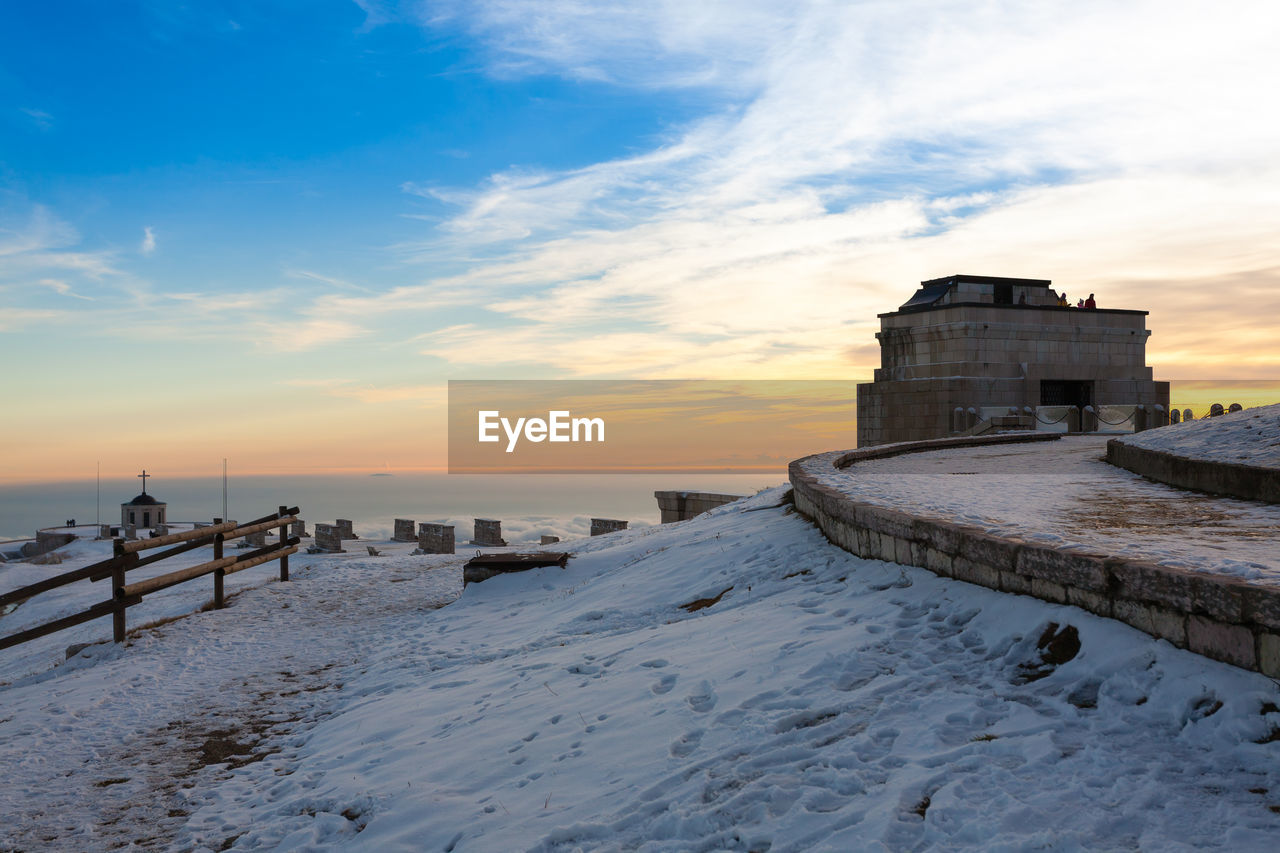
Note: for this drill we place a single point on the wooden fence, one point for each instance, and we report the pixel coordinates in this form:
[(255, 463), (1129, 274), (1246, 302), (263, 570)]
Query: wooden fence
[(126, 558)]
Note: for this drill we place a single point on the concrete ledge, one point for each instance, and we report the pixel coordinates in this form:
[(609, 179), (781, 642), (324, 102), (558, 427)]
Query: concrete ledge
[(1219, 617), (1250, 482)]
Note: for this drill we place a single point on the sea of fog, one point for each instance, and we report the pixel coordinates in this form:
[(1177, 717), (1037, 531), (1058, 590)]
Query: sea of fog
[(528, 505)]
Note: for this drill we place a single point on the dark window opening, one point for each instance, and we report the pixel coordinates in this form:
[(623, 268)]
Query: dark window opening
[(1003, 294), (1066, 392), (146, 519)]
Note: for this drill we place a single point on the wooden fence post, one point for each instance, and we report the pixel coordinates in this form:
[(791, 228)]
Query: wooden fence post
[(284, 537), (117, 581), (219, 574)]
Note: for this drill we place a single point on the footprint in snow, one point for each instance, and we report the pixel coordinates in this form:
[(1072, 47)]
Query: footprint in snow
[(656, 663), (702, 700), (663, 685), (686, 743)]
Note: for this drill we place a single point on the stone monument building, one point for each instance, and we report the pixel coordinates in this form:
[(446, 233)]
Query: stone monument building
[(990, 343)]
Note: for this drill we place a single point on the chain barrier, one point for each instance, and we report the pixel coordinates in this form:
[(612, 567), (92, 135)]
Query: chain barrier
[(1065, 415), (1129, 417)]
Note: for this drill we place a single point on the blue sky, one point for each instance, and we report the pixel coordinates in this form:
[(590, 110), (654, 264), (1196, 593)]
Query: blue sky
[(317, 213)]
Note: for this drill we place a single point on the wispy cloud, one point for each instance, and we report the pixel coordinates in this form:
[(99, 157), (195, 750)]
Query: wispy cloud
[(13, 318), (61, 288), (849, 150), (40, 118), (148, 244)]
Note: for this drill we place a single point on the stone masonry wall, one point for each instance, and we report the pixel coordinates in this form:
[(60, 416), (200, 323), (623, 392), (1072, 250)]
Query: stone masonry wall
[(328, 538), (436, 538), (1219, 617), (488, 531), (601, 526), (682, 506), (403, 530), (1250, 482)]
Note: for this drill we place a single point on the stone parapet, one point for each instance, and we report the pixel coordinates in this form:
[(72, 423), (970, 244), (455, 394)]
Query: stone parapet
[(436, 538), (328, 538), (404, 531), (601, 526), (488, 531), (1250, 482), (1217, 616), (682, 506)]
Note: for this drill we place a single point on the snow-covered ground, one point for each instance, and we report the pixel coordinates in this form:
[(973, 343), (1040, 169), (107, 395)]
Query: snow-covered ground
[(1062, 493), (803, 699), (1248, 437)]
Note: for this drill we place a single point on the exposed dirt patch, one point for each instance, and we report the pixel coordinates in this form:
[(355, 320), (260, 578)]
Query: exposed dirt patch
[(1056, 646), (703, 603)]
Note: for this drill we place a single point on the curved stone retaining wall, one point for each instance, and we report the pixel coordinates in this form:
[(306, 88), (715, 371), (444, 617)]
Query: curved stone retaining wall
[(1250, 482), (1220, 617)]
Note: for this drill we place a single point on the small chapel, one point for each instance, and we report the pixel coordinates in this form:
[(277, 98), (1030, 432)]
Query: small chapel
[(144, 510)]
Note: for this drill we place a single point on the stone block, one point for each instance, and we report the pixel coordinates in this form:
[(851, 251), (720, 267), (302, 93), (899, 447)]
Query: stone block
[(1133, 613), (298, 528), (344, 528), (999, 554), (488, 531), (1015, 583), (1162, 585), (1094, 602), (1262, 606), (549, 540), (601, 526), (965, 569), (939, 535), (328, 538), (1269, 654), (257, 540), (1230, 643), (864, 542), (888, 548), (1047, 590), (1220, 598), (1169, 625), (435, 538), (1085, 571), (404, 530), (902, 552), (938, 562), (896, 524)]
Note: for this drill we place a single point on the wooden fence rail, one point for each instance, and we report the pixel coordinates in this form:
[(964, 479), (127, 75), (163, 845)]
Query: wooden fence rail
[(125, 558)]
